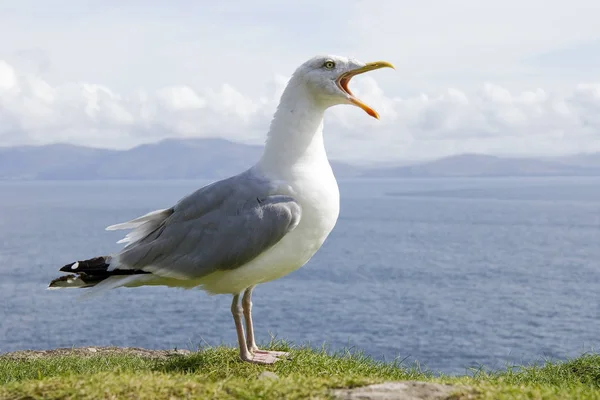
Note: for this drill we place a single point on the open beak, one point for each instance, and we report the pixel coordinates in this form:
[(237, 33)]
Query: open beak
[(344, 80)]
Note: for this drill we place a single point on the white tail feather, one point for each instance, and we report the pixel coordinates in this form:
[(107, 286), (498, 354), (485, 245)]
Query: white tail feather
[(134, 223), (139, 232), (141, 226)]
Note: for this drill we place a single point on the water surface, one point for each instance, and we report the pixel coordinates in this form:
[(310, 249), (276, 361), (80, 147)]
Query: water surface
[(454, 273)]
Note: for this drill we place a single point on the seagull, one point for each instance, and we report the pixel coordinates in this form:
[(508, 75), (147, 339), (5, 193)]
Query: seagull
[(251, 228)]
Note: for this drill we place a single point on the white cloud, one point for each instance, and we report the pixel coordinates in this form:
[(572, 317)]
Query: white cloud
[(490, 119), (434, 43)]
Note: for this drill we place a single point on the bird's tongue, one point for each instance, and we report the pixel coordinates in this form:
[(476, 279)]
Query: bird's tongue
[(344, 84)]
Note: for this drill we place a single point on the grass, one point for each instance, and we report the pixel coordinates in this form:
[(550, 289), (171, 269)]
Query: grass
[(216, 373)]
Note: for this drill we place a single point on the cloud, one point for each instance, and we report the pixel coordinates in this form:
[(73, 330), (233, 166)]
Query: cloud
[(434, 43), (490, 119)]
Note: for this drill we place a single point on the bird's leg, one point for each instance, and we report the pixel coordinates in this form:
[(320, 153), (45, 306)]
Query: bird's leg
[(247, 305), (236, 311), (250, 343), (245, 354)]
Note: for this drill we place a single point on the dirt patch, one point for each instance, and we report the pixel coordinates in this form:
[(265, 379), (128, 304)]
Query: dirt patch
[(93, 351)]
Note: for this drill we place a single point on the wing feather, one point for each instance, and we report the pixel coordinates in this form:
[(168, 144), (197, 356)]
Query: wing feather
[(221, 226)]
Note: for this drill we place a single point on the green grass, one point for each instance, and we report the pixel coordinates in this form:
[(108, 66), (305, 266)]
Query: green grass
[(216, 373)]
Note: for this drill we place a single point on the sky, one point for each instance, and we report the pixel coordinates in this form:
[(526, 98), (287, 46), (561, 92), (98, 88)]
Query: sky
[(502, 77)]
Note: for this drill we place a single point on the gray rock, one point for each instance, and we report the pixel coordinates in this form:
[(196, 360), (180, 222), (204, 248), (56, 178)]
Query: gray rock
[(407, 390), (268, 375)]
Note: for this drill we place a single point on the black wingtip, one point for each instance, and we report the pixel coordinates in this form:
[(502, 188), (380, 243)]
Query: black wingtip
[(96, 264), (88, 273), (67, 268), (69, 281)]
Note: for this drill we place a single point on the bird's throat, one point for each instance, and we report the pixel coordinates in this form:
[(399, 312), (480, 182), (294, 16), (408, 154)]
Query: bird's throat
[(295, 138)]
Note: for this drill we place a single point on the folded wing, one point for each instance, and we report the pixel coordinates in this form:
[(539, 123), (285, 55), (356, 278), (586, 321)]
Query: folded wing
[(221, 226)]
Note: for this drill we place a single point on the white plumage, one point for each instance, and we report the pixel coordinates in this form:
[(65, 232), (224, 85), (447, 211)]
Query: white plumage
[(251, 228)]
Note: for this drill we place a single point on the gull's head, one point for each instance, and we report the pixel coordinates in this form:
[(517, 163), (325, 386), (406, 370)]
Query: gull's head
[(327, 77)]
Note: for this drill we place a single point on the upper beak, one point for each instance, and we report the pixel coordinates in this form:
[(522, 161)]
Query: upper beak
[(344, 79)]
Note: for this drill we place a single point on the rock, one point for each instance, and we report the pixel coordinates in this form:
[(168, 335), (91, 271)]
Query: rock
[(268, 375), (95, 351), (408, 390)]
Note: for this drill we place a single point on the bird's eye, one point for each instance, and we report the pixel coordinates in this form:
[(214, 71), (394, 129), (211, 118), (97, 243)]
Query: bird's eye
[(329, 64)]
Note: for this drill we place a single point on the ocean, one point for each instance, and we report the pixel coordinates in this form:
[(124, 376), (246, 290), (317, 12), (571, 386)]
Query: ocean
[(452, 274)]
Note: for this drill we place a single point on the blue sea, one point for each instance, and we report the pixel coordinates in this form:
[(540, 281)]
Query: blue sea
[(451, 273)]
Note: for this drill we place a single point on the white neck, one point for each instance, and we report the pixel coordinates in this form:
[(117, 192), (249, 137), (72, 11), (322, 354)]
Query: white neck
[(295, 136)]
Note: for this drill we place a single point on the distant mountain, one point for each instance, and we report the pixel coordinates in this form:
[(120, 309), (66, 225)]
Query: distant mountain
[(40, 162), (473, 165), (168, 159), (585, 160), (218, 158)]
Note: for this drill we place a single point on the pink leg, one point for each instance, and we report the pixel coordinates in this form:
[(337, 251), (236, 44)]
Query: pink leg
[(245, 354), (250, 343)]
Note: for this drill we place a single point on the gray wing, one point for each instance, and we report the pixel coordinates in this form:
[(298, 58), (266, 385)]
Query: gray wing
[(221, 226)]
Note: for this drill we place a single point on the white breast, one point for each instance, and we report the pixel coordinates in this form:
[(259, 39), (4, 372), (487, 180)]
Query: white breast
[(317, 192)]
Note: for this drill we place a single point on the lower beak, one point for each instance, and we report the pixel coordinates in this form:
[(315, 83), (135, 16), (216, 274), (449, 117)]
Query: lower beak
[(344, 79)]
